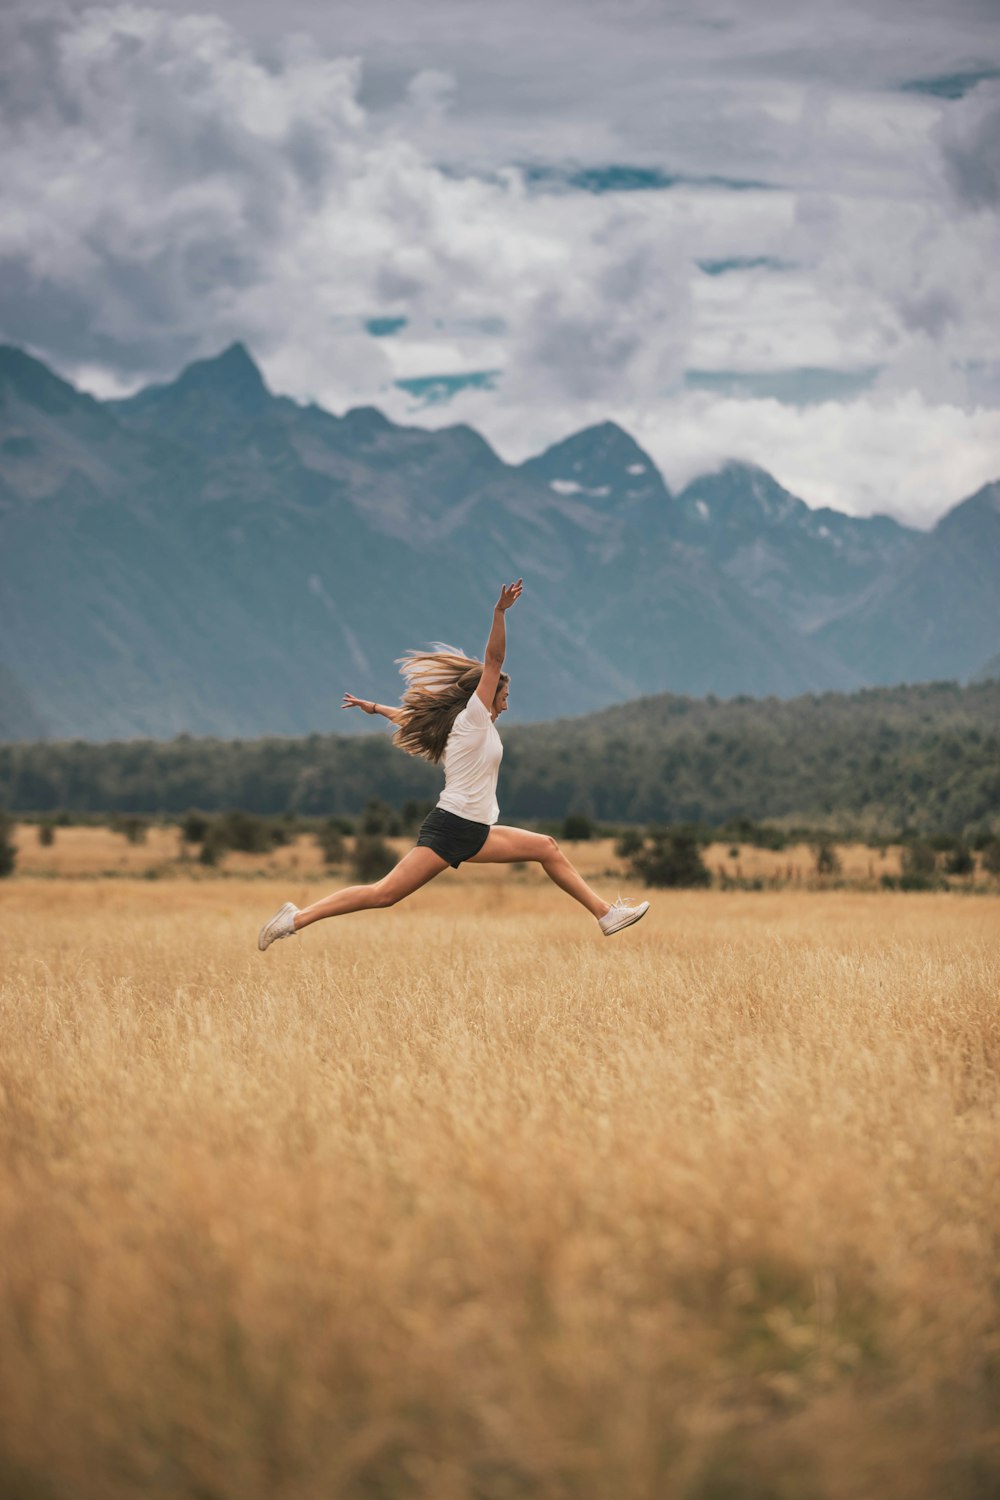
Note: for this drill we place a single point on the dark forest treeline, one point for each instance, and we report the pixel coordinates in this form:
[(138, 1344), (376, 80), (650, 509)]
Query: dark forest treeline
[(924, 758), (919, 758)]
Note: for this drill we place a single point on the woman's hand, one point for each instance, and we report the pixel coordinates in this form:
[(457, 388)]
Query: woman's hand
[(509, 594), (351, 702)]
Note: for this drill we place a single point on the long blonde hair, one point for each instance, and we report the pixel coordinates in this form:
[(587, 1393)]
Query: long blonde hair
[(439, 684)]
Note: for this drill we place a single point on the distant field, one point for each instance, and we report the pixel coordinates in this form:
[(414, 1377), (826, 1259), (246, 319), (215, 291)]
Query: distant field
[(463, 1201), (87, 851)]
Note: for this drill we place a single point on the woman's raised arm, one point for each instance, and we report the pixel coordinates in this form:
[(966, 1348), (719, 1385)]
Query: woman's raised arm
[(496, 645)]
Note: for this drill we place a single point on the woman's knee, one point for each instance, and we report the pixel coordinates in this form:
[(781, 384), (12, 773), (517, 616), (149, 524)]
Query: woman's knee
[(550, 849), (382, 894)]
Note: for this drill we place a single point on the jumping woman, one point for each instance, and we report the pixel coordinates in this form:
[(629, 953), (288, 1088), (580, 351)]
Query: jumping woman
[(448, 714)]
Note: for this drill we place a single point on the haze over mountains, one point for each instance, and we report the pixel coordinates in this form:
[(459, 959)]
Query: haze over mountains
[(207, 557)]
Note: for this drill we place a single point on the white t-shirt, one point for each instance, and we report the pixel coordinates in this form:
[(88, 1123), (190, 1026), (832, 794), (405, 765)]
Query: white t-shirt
[(472, 759)]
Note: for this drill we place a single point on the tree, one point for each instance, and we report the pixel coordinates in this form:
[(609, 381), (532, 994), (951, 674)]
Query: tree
[(670, 858), (378, 817), (133, 828), (960, 860), (8, 849), (991, 857), (919, 859), (372, 858), (330, 839), (213, 847), (195, 826), (919, 865), (282, 831), (247, 832), (827, 858), (576, 828), (414, 812)]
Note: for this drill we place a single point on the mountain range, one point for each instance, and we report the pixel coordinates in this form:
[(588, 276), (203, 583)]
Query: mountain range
[(206, 557)]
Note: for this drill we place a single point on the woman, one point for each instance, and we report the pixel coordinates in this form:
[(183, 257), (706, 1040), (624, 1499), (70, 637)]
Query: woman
[(449, 714)]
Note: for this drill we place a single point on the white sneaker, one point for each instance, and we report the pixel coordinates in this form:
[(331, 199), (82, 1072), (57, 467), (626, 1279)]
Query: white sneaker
[(621, 915), (282, 924)]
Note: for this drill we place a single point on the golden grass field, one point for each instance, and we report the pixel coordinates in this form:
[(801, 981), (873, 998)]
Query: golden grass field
[(463, 1201)]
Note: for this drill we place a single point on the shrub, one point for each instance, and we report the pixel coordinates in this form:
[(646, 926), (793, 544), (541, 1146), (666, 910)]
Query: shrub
[(245, 832), (212, 849), (330, 839), (630, 843), (991, 857), (960, 860), (827, 858), (46, 834), (195, 827), (8, 849), (576, 827), (918, 859), (914, 881), (669, 858), (132, 827), (378, 817), (372, 858), (413, 814), (760, 835)]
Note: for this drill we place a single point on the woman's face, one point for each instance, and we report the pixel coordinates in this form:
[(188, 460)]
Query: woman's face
[(500, 701)]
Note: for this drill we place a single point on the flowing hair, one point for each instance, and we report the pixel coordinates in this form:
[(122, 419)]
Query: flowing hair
[(439, 684)]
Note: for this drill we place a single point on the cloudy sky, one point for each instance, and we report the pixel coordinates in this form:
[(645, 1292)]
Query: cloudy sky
[(764, 229)]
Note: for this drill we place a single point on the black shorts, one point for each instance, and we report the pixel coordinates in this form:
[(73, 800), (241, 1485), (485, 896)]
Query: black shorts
[(452, 837)]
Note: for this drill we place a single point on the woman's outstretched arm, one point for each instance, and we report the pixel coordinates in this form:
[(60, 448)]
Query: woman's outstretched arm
[(371, 707)]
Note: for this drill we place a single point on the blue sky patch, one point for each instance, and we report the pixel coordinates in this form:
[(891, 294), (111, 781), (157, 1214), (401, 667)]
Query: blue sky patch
[(744, 263), (383, 328), (621, 177), (435, 390), (807, 386), (950, 85)]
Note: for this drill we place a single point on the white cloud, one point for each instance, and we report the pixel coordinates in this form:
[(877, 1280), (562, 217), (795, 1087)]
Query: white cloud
[(886, 452), (162, 170), (894, 454), (431, 93), (609, 322), (171, 184), (970, 137), (898, 454), (187, 193)]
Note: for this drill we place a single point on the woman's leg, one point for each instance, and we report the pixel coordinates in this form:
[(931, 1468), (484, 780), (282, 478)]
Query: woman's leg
[(414, 870), (507, 845)]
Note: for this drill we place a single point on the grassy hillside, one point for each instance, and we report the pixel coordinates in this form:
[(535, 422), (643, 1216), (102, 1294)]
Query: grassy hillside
[(923, 758)]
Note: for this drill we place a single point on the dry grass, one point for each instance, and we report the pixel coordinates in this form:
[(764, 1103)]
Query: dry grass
[(461, 1200)]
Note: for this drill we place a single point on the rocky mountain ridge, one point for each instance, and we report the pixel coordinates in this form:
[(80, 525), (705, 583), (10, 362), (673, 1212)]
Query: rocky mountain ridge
[(207, 557)]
